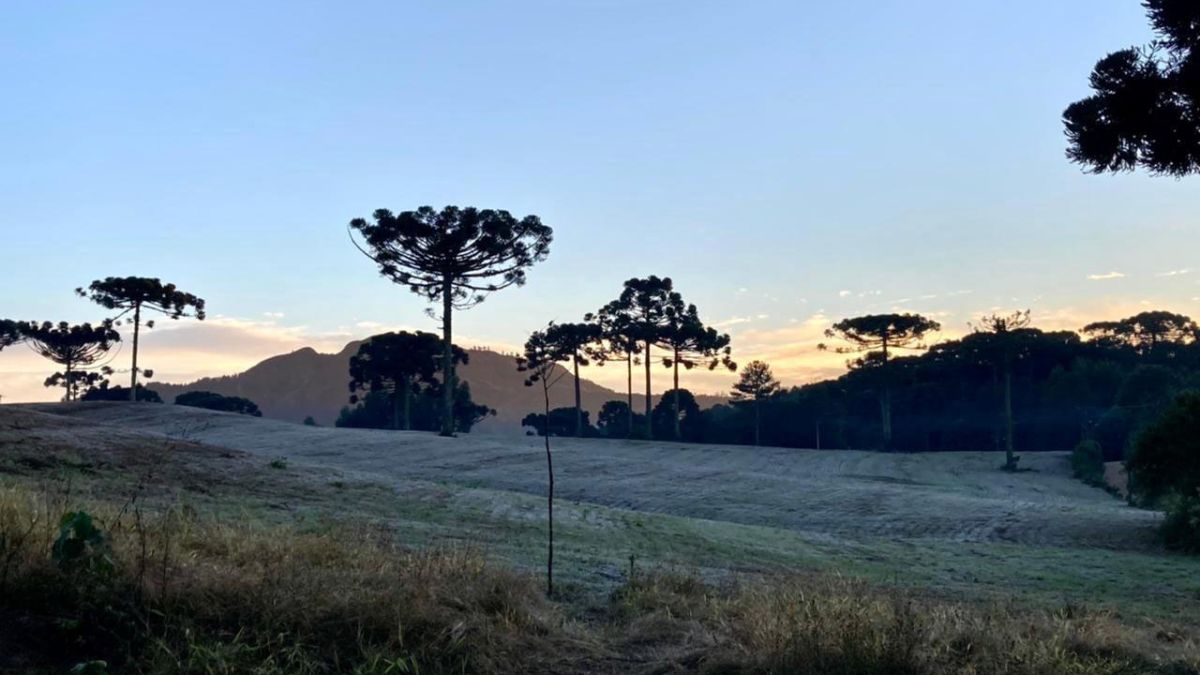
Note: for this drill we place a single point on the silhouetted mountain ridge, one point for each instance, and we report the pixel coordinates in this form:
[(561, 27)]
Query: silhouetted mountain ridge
[(307, 382)]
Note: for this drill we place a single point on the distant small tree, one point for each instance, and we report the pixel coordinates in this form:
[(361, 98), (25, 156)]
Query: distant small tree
[(540, 363), (1165, 466), (1002, 338), (641, 312), (615, 420), (310, 421), (397, 363), (456, 256), (80, 350), (132, 295), (574, 342), (103, 392), (561, 422), (689, 343), (875, 336), (755, 384), (213, 401), (664, 418), (1145, 109)]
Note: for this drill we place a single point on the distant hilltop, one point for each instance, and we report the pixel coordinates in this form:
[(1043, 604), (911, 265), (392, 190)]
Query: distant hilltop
[(307, 383)]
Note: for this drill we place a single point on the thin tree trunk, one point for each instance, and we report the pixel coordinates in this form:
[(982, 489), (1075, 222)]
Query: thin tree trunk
[(885, 401), (757, 421), (407, 405), (578, 400), (649, 422), (549, 498), (448, 382), (137, 324), (1010, 462), (818, 433), (675, 364), (70, 385), (397, 404), (629, 375)]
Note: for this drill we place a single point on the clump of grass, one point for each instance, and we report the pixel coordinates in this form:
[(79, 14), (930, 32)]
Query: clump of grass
[(185, 595), (831, 625), (279, 463)]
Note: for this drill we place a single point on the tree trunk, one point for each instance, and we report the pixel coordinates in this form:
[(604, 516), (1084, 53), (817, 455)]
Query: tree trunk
[(649, 422), (675, 364), (549, 498), (885, 401), (578, 400), (1010, 461), (70, 385), (407, 405), (397, 404), (448, 382), (629, 375), (757, 421), (137, 324), (818, 433)]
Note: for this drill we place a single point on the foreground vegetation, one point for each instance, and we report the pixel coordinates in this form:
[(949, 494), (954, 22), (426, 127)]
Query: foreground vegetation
[(175, 591)]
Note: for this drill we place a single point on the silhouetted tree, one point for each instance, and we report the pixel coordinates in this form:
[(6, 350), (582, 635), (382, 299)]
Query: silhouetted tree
[(574, 342), (560, 423), (615, 419), (664, 418), (132, 295), (1001, 337), (79, 349), (755, 384), (875, 336), (11, 332), (540, 363), (103, 392), (397, 363), (212, 401), (1145, 109), (689, 343), (1150, 333), (376, 410), (619, 343), (455, 256), (642, 313)]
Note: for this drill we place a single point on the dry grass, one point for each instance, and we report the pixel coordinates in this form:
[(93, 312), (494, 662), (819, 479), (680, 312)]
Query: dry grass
[(189, 595)]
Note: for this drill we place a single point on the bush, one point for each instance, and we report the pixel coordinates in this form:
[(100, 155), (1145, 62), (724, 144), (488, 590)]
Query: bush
[(1087, 462), (1181, 528), (211, 401), (1166, 455), (107, 393)]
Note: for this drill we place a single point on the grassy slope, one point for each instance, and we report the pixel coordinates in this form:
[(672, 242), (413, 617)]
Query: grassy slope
[(925, 547)]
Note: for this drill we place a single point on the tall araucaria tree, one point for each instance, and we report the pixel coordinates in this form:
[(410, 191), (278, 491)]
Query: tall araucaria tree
[(642, 310), (80, 350), (455, 256), (689, 343), (875, 336), (755, 384), (573, 342), (1153, 333), (397, 363), (1145, 107), (540, 362), (618, 343), (132, 296), (998, 338)]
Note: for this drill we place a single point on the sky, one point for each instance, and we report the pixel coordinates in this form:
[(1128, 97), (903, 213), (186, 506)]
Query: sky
[(786, 163)]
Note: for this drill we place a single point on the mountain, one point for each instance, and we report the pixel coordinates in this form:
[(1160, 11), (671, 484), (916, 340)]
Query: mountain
[(305, 382)]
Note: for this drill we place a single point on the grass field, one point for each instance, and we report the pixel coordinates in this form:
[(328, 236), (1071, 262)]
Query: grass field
[(946, 526)]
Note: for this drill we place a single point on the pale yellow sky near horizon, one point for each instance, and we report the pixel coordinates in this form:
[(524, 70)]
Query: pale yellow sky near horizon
[(184, 351)]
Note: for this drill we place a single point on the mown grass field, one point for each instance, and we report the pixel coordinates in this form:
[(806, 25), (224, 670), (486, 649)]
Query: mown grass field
[(947, 528)]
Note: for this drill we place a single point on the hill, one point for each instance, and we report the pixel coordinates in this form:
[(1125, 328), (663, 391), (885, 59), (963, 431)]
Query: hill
[(305, 382)]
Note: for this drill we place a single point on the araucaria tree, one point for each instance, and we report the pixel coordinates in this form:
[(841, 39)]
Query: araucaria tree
[(80, 350), (11, 332), (642, 311), (689, 343), (875, 336), (998, 338), (132, 296), (455, 256), (573, 342), (397, 364), (1152, 333), (540, 363), (618, 343), (1145, 109), (755, 384)]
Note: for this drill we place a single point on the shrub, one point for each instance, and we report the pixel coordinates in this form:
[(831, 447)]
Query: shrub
[(210, 401), (107, 393), (1181, 527), (1166, 456), (1087, 462)]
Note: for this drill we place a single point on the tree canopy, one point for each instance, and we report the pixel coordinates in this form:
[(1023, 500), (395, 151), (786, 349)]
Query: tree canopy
[(1147, 331), (573, 343), (213, 401), (132, 296), (81, 349), (1145, 107), (456, 255), (399, 364)]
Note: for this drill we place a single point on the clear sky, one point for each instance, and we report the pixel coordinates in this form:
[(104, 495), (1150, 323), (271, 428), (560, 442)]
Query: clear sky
[(787, 163)]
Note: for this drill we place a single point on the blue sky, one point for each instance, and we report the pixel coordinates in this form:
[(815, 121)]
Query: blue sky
[(787, 163)]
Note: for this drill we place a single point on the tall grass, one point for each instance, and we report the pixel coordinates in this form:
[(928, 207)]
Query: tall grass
[(180, 593)]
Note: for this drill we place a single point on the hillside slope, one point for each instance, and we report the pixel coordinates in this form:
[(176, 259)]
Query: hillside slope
[(305, 382)]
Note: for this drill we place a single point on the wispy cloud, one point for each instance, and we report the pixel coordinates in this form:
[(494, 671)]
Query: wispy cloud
[(1106, 276), (1174, 273), (844, 294)]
